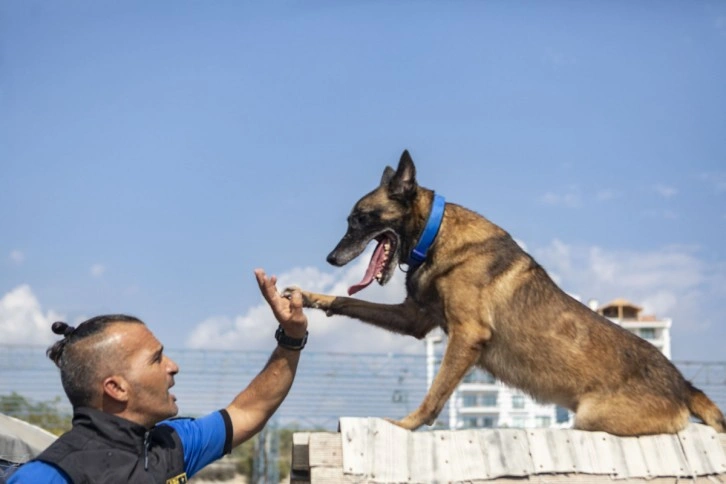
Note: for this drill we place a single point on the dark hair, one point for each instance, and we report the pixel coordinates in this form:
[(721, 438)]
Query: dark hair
[(77, 363)]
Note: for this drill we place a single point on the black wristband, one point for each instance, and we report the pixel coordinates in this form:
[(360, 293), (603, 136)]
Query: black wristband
[(294, 344)]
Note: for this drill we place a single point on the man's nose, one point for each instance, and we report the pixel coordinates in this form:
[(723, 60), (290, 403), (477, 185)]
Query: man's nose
[(173, 367)]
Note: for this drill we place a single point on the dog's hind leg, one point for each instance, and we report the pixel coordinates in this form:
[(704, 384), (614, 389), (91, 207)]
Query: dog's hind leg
[(461, 354), (630, 415)]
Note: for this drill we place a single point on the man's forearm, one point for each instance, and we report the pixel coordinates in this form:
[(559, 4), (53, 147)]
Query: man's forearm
[(252, 407)]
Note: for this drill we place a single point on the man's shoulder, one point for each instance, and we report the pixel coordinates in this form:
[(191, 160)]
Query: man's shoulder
[(37, 471), (203, 439), (181, 424)]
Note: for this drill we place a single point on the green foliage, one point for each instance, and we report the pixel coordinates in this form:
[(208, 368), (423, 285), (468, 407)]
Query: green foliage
[(44, 414), (244, 455)]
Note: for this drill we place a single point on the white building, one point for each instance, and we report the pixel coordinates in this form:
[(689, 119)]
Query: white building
[(480, 401), (648, 327)]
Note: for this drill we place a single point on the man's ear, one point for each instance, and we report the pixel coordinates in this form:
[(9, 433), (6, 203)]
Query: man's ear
[(116, 387), (402, 186)]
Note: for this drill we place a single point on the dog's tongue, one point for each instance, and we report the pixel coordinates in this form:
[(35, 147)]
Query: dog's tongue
[(377, 260)]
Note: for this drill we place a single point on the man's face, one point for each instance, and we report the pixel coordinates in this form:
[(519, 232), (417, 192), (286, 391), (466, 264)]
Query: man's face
[(149, 373)]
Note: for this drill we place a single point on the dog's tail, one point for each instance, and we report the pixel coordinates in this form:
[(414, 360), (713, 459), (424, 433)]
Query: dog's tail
[(702, 407)]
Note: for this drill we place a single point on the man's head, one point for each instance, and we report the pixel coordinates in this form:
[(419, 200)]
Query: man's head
[(115, 364)]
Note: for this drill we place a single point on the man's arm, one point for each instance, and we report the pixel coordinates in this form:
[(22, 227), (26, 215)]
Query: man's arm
[(38, 471), (251, 409)]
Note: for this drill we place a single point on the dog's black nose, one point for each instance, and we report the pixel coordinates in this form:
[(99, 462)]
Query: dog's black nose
[(332, 259)]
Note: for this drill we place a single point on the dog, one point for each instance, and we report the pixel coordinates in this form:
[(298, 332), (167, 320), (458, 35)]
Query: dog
[(502, 312)]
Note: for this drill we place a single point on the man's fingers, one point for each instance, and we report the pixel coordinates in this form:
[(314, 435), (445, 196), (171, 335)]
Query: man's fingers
[(267, 286), (296, 300), (287, 306)]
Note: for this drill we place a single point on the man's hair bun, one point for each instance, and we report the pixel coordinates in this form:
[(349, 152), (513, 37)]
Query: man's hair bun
[(59, 327)]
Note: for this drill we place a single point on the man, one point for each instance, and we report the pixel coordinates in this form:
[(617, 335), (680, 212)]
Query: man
[(117, 378)]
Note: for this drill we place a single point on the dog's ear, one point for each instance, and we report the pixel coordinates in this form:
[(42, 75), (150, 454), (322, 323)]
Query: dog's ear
[(387, 175), (402, 186)]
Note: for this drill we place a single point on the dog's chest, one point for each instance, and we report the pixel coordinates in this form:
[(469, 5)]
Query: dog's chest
[(420, 289)]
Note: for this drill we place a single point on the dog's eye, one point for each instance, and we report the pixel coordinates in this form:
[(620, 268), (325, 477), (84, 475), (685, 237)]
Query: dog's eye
[(367, 218), (359, 218), (364, 218)]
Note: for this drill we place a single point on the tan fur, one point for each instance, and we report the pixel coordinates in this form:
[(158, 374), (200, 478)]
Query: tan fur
[(503, 313)]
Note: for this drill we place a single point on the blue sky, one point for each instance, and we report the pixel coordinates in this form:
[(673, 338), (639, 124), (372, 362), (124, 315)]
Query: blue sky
[(152, 154)]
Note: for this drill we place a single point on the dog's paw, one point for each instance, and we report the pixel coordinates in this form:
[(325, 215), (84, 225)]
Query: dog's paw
[(287, 292), (402, 423), (309, 299)]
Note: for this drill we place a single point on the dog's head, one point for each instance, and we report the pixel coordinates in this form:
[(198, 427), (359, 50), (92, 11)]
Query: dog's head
[(383, 215)]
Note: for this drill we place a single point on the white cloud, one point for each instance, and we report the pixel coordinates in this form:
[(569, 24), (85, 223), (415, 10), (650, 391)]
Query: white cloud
[(97, 270), (715, 179), (607, 194), (665, 191), (570, 198), (668, 282), (521, 243), (22, 320), (254, 329), (671, 281), (17, 257)]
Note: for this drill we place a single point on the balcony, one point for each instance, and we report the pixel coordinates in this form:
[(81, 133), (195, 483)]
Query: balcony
[(479, 410)]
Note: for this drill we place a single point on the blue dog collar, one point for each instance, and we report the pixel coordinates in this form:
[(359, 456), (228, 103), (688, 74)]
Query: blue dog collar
[(418, 254)]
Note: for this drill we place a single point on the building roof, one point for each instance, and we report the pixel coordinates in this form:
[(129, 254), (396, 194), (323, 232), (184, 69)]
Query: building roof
[(374, 450), (620, 302)]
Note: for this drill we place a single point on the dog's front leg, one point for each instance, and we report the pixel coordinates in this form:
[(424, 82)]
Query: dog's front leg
[(406, 318), (461, 354)]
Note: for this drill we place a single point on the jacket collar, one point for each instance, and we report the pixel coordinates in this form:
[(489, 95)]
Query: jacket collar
[(111, 429)]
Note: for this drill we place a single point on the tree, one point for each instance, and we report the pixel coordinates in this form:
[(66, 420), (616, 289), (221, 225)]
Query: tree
[(44, 414)]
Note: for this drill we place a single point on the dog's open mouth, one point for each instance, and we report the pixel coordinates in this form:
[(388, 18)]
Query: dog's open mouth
[(381, 264)]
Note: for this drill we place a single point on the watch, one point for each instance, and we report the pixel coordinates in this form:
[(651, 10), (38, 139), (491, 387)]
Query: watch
[(294, 344)]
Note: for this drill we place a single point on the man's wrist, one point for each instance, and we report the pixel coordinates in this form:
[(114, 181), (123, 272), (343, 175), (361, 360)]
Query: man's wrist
[(288, 342)]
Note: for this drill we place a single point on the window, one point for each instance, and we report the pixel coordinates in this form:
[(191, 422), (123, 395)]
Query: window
[(647, 333), (610, 312), (469, 423), (518, 401), (478, 376), (562, 414), (478, 422), (479, 400), (543, 421), (519, 422)]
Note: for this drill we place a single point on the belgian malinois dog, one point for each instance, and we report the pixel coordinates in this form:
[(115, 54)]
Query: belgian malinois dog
[(502, 312)]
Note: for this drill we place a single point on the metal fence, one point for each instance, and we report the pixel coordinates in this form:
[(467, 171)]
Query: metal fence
[(328, 385)]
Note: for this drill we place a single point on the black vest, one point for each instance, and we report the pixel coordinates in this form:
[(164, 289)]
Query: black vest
[(103, 448)]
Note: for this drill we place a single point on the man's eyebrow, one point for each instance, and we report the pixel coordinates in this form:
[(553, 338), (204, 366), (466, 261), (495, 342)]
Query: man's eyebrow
[(157, 354)]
